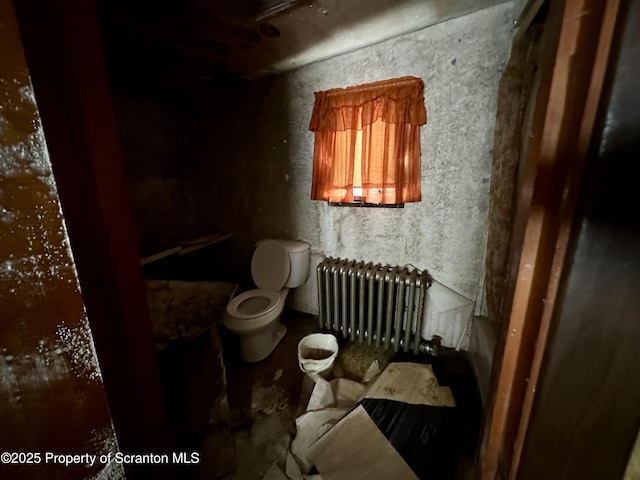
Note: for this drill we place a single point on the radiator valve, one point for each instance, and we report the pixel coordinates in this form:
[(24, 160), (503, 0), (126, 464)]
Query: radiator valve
[(430, 347)]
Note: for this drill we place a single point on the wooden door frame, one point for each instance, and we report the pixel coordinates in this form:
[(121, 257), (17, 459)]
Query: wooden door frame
[(64, 51), (575, 54)]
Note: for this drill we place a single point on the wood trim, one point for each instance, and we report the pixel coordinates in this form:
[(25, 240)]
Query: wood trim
[(494, 445), (569, 199), (570, 88)]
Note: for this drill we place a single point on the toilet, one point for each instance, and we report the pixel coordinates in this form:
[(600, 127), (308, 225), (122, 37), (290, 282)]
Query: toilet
[(276, 267)]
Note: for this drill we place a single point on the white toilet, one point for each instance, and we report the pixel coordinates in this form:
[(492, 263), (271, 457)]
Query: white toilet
[(276, 266)]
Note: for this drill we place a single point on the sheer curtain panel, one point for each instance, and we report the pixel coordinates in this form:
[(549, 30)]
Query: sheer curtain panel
[(367, 142)]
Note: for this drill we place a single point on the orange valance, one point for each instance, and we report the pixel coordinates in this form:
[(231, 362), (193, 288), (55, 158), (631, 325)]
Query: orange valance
[(400, 100)]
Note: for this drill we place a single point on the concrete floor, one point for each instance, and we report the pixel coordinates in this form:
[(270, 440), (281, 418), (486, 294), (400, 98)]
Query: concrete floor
[(243, 425)]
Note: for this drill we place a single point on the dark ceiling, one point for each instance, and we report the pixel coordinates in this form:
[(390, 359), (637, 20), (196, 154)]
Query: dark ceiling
[(180, 45), (160, 41)]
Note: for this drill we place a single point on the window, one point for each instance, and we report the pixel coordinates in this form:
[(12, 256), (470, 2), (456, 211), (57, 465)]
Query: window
[(367, 143)]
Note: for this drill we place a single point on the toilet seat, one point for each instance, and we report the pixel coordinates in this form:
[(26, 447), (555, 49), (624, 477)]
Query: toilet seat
[(253, 303), (270, 266)]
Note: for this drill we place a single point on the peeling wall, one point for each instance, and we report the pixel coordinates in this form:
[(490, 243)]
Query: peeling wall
[(254, 176), (51, 392)]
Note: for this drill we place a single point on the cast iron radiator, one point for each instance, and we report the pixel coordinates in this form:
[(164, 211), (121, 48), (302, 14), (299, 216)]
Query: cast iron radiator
[(377, 304)]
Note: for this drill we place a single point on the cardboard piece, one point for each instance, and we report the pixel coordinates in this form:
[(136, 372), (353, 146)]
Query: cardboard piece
[(355, 448), (309, 428), (345, 446), (347, 393), (339, 392), (372, 372), (321, 396), (399, 380)]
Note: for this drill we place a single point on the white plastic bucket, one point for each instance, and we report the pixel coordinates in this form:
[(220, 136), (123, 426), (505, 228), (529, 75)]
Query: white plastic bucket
[(317, 353)]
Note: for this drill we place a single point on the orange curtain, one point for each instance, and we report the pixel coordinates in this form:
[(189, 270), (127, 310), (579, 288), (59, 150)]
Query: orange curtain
[(371, 133)]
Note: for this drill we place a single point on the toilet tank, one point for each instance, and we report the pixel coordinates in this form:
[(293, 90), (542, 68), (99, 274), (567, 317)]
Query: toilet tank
[(299, 257)]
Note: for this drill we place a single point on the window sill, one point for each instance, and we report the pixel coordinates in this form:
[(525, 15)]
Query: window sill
[(365, 204)]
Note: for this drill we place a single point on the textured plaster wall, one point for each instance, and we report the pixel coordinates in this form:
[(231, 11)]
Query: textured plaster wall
[(255, 175)]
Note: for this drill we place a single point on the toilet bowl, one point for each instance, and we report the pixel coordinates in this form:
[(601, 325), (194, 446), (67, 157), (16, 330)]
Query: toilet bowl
[(254, 316), (276, 266)]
